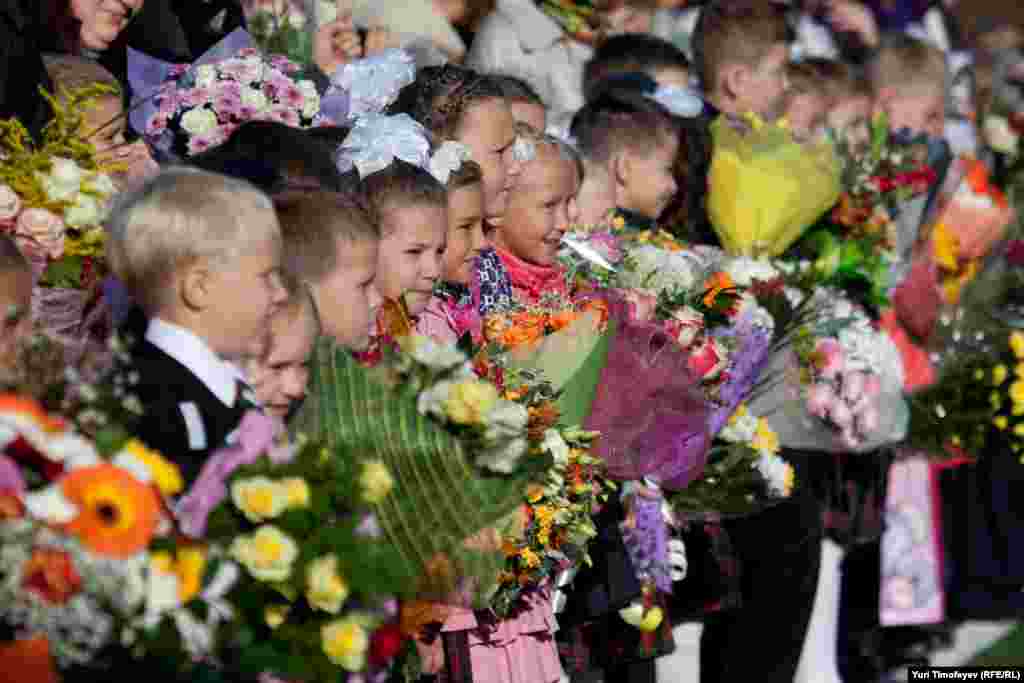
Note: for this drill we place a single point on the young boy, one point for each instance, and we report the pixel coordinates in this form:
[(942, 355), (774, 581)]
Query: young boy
[(908, 83), (741, 52), (330, 244), (526, 105), (105, 122), (850, 113), (634, 52), (809, 98), (629, 145), (201, 256), (279, 376)]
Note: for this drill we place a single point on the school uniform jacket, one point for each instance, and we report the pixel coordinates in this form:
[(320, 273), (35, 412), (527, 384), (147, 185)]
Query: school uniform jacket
[(190, 397)]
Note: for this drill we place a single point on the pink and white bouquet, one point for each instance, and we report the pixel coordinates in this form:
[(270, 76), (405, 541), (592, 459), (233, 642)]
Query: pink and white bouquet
[(202, 105), (847, 399)]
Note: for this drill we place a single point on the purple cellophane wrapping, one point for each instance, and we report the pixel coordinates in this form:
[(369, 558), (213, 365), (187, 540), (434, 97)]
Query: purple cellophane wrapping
[(650, 409), (77, 318)]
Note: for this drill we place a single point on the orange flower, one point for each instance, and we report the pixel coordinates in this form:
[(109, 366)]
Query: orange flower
[(50, 573), (26, 407), (118, 514), (393, 320), (562, 319), (11, 506), (599, 305), (715, 285), (525, 328), (978, 181), (542, 418)]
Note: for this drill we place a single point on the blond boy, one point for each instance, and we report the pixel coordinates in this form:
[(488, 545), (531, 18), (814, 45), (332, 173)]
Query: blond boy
[(908, 83), (201, 255)]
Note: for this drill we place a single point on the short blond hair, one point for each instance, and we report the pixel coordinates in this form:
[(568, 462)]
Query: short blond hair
[(903, 62), (177, 218), (74, 73)]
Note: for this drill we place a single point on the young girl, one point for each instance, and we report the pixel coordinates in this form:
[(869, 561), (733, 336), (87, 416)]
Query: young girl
[(458, 104), (450, 313)]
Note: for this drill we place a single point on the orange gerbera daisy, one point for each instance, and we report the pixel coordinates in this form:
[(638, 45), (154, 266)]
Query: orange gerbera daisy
[(716, 284), (118, 514)]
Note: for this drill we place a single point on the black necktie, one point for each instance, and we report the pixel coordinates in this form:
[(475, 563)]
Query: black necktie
[(245, 400)]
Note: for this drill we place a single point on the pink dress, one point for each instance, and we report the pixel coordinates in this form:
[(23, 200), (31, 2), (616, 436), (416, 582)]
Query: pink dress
[(520, 649)]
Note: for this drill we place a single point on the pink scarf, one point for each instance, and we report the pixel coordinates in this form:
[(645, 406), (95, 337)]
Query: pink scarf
[(530, 282)]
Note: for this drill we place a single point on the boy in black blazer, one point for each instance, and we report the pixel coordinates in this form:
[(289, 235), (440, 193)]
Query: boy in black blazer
[(200, 254)]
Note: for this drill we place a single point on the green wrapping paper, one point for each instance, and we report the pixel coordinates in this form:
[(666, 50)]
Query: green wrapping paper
[(439, 499)]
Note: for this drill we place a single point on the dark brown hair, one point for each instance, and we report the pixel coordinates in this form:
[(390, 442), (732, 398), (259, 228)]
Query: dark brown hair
[(399, 185), (441, 95)]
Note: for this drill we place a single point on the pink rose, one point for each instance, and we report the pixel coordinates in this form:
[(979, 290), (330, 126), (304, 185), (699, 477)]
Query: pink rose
[(820, 399), (10, 204), (849, 439), (841, 415), (43, 228), (707, 360), (830, 358), (853, 386), (687, 324), (868, 420)]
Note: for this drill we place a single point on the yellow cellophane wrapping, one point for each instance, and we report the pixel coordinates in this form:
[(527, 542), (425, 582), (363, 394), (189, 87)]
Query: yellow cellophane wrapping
[(765, 189)]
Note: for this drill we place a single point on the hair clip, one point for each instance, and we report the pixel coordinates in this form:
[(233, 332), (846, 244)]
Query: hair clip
[(376, 140), (680, 102), (448, 159), (524, 149), (373, 83)]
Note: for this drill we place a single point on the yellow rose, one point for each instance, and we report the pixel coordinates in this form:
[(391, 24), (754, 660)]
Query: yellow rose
[(469, 401), (1019, 429), (296, 491), (259, 498), (1019, 370), (1017, 344), (325, 588), (376, 481), (268, 554), (190, 568), (275, 615), (998, 375), (1017, 392), (1000, 422), (995, 400), (345, 642), (165, 474), (765, 439)]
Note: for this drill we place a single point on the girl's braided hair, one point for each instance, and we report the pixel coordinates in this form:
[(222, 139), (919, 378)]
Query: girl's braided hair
[(441, 95)]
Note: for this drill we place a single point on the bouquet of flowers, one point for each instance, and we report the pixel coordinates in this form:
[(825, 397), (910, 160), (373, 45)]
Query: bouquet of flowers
[(559, 521), (972, 217), (316, 587), (281, 27), (54, 194), (89, 569), (191, 108), (744, 472), (458, 451), (853, 248), (765, 189)]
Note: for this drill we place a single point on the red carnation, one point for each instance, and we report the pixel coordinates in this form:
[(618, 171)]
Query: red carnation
[(385, 644)]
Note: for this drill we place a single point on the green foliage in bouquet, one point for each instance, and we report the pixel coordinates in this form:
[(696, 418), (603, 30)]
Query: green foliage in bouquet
[(441, 497), (309, 613), (283, 34)]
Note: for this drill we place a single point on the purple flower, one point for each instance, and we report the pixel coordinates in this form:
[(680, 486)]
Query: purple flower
[(746, 364), (256, 435), (647, 542), (10, 477), (369, 527)]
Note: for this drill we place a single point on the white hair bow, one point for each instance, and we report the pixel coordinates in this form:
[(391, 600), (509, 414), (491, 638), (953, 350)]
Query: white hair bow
[(448, 159), (680, 102), (376, 140), (373, 83)]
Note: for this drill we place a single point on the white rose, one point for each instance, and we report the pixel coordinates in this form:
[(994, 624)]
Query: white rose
[(503, 459), (161, 592), (311, 105), (1000, 136), (10, 203), (434, 355), (555, 445), (255, 99), (507, 420), (691, 324), (745, 270), (327, 11), (431, 401), (86, 212), (199, 121), (206, 76), (50, 505), (63, 181), (775, 471), (103, 184)]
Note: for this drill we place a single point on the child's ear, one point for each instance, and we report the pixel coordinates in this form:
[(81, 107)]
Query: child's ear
[(194, 287), (734, 80), (621, 166)]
